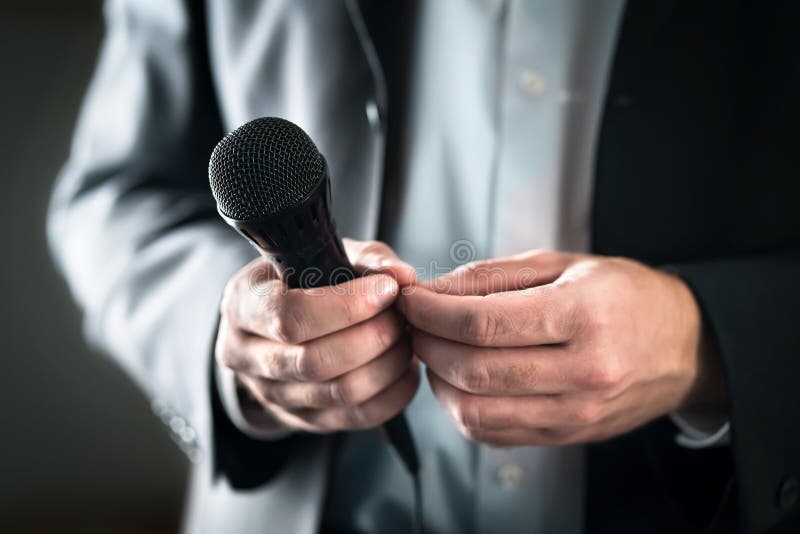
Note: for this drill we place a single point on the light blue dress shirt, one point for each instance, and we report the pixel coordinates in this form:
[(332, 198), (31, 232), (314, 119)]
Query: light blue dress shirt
[(485, 71)]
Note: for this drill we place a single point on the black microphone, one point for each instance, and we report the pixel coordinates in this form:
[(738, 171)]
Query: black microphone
[(273, 186)]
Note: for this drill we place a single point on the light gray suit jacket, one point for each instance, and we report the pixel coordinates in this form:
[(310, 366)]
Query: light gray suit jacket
[(133, 224)]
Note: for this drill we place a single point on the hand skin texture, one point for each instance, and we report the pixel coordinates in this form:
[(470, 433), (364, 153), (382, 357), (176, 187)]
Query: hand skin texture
[(320, 360), (549, 348)]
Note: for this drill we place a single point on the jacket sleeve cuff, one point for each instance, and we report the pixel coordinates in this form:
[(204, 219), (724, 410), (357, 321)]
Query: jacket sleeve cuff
[(257, 424)]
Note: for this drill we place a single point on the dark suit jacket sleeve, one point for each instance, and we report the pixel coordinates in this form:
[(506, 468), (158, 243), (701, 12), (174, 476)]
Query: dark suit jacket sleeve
[(134, 227), (751, 306)]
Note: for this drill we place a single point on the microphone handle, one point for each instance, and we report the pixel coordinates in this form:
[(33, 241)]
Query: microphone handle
[(326, 266), (402, 440)]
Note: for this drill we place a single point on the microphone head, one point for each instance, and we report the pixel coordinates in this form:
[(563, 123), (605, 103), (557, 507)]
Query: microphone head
[(263, 168)]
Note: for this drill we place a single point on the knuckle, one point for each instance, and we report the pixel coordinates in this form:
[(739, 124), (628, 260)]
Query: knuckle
[(314, 363), (335, 392), (479, 327), (287, 325), (343, 391), (468, 414), (550, 323), (550, 326), (600, 375), (273, 364), (312, 397), (586, 413), (474, 376), (307, 363)]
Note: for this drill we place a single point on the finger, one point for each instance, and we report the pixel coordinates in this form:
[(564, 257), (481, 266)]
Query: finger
[(350, 389), (283, 416), (298, 315), (229, 346), (537, 437), (475, 412), (369, 257), (529, 269), (321, 359), (534, 316), (371, 413), (545, 369), (547, 436)]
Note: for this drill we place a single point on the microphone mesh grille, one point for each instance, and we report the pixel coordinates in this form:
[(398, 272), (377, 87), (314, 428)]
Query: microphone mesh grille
[(262, 168)]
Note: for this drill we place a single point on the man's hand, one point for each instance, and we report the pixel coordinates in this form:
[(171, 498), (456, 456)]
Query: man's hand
[(550, 348), (321, 360)]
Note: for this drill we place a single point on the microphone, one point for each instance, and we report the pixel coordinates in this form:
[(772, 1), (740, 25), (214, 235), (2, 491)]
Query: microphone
[(273, 186)]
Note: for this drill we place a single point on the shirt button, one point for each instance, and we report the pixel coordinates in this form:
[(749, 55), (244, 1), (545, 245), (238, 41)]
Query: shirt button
[(187, 434), (177, 424), (532, 83), (509, 476)]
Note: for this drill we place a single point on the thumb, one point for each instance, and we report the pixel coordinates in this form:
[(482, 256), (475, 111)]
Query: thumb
[(372, 257), (512, 273)]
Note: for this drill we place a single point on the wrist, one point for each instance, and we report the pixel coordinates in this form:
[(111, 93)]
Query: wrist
[(708, 392)]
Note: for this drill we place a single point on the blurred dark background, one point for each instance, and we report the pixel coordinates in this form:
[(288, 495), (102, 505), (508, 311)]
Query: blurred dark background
[(80, 448)]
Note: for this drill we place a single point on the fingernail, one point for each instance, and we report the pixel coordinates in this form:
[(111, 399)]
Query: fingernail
[(397, 267), (394, 263), (383, 290)]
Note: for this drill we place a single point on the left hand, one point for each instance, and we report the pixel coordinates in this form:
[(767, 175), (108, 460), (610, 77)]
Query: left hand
[(549, 348)]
